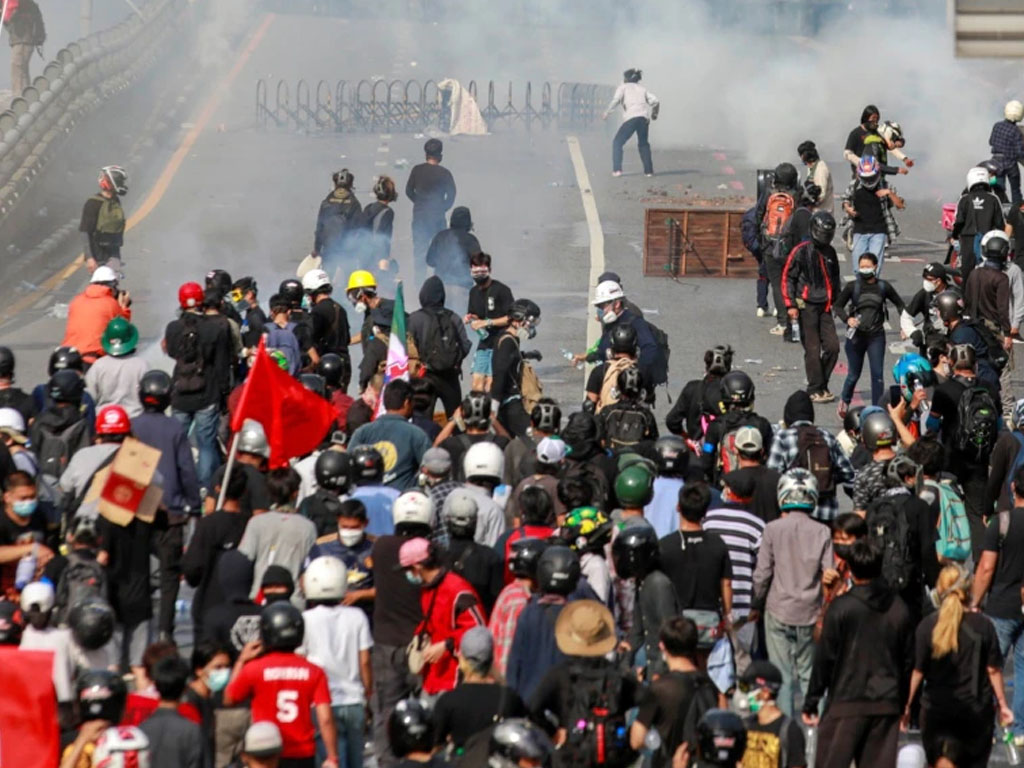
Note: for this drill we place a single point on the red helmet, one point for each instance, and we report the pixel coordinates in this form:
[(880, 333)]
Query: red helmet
[(190, 295), (113, 420)]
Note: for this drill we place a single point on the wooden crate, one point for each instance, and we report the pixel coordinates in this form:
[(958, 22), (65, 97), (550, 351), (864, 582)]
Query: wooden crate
[(695, 242)]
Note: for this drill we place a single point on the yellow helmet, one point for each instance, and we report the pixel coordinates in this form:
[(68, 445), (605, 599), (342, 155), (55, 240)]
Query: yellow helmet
[(361, 279)]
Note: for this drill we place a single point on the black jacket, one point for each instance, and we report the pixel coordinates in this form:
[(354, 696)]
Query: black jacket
[(811, 273), (979, 211), (866, 654), (507, 368), (432, 191), (699, 397), (987, 296), (721, 427), (339, 215), (432, 299), (449, 254)]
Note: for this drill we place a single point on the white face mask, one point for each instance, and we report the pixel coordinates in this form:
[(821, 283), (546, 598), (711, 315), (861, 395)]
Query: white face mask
[(350, 536), (929, 286), (360, 307), (866, 272)]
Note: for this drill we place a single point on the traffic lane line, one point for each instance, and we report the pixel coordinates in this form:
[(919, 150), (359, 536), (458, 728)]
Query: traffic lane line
[(162, 183)]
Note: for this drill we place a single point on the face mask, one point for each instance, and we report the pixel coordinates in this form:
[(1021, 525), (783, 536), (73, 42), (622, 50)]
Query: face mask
[(607, 316), (360, 307), (866, 273), (350, 536), (742, 703), (480, 275), (276, 598), (25, 507), (217, 680), (481, 279), (522, 334), (413, 579), (842, 550), (929, 286)]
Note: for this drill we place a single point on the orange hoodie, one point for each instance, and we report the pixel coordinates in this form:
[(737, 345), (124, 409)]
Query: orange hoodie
[(88, 315)]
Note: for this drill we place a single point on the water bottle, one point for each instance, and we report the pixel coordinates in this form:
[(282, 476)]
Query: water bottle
[(794, 329), (569, 356), (1012, 753), (26, 570), (652, 742), (810, 744)]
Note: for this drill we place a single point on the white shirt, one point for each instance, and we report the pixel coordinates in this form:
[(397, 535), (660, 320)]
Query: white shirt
[(59, 641), (307, 475), (635, 100), (334, 637)]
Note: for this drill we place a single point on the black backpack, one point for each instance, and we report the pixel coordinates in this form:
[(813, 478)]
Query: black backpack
[(56, 448), (995, 354), (625, 425), (441, 349), (813, 454), (887, 522), (705, 697), (659, 371), (593, 477), (82, 577), (977, 423), (596, 723), (189, 376)]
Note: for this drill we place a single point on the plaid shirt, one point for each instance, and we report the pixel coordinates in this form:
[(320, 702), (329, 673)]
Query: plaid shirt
[(1006, 140), (504, 617), (438, 493), (784, 454), (892, 226)]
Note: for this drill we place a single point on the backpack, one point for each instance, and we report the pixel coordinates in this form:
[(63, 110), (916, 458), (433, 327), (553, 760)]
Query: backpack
[(813, 454), (284, 341), (659, 371), (777, 213), (749, 233), (189, 375), (887, 522), (954, 542), (624, 425), (411, 351), (705, 697), (28, 21), (530, 387), (996, 355), (728, 453), (55, 449), (610, 384), (596, 721), (81, 578), (592, 476), (978, 422), (441, 348)]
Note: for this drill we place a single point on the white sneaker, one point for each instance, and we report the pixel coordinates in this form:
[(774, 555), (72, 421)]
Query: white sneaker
[(761, 312), (648, 175), (778, 330), (616, 173)]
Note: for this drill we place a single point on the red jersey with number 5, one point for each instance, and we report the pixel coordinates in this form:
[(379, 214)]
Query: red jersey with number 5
[(284, 687)]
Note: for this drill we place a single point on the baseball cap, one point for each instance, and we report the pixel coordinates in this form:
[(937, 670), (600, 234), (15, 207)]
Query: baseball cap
[(437, 461), (477, 645), (935, 270), (262, 739), (413, 552), (551, 450), (762, 674), (749, 440)]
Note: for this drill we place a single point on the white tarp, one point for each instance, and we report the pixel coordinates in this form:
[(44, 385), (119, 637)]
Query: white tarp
[(466, 117)]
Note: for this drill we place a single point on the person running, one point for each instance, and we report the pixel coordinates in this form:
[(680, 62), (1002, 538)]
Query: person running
[(639, 107)]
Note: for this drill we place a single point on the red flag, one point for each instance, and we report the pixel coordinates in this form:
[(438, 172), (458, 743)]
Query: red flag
[(28, 710), (294, 418)]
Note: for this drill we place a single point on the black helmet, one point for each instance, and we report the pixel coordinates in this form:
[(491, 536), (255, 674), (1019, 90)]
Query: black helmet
[(11, 623), (546, 416), (623, 339), (851, 421), (963, 357), (737, 389), (823, 227), (411, 728), (718, 359), (949, 305), (343, 178), (92, 623), (476, 410), (367, 465), (672, 456), (524, 309), (291, 291), (995, 246), (524, 554), (65, 357), (877, 430), (629, 383), (635, 551), (721, 738), (281, 626), (101, 695), (314, 382), (332, 471), (631, 75), (558, 570), (335, 369), (518, 739), (786, 175), (219, 279), (155, 390), (6, 363), (66, 386)]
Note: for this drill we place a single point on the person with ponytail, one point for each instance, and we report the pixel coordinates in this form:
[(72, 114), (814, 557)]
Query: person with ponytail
[(957, 658)]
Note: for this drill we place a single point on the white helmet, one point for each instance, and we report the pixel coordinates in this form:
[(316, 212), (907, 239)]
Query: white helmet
[(483, 460), (977, 176), (607, 291), (120, 747), (314, 280), (326, 578), (460, 511), (253, 439), (890, 130), (103, 274), (11, 418), (38, 594), (413, 507), (1014, 111), (798, 489)]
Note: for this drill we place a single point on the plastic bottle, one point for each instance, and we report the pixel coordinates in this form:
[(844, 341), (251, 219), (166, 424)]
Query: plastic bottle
[(810, 744), (26, 570), (1012, 753), (569, 356), (794, 329)]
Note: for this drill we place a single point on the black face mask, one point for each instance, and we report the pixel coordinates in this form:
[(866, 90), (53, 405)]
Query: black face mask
[(276, 598), (842, 550)]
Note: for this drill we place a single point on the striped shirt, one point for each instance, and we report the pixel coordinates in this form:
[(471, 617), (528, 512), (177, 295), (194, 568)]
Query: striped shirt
[(741, 531)]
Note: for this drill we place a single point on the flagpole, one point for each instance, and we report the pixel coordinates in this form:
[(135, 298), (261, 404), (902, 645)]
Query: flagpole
[(227, 471)]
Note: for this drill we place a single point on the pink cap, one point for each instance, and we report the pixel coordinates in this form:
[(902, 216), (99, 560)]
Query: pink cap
[(414, 552)]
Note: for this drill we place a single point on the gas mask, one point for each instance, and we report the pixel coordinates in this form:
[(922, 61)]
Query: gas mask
[(606, 313), (526, 332)]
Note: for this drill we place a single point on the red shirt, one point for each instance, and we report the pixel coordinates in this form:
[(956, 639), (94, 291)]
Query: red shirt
[(284, 687)]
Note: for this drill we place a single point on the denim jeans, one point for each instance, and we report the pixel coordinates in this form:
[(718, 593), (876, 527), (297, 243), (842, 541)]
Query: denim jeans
[(349, 719), (875, 243), (791, 649), (639, 126), (873, 345), (206, 421), (1009, 632)]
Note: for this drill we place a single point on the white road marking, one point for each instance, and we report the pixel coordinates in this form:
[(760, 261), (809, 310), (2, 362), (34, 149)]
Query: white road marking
[(595, 232)]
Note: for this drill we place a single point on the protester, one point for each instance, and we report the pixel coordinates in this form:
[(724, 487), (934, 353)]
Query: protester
[(91, 311), (639, 107), (174, 741), (431, 189), (404, 443)]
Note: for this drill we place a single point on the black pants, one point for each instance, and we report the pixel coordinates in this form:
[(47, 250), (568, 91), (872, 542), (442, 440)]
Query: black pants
[(821, 346), (1012, 183), (967, 256), (390, 685), (449, 388), (297, 762), (868, 740), (169, 541), (773, 267), (762, 286), (639, 126), (424, 227), (513, 417)]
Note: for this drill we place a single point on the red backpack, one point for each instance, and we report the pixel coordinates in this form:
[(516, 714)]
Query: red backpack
[(777, 213)]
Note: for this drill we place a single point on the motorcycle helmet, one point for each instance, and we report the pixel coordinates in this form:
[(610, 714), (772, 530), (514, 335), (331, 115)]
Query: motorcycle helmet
[(877, 430), (949, 305), (516, 740), (65, 357), (332, 471), (1014, 111), (483, 461), (869, 172), (524, 555), (673, 459), (101, 695), (220, 280), (460, 513), (737, 390), (410, 728), (291, 291), (315, 383), (910, 371), (558, 570), (634, 486), (281, 626), (326, 578), (635, 551), (367, 465), (155, 390), (586, 529), (412, 508), (721, 738), (190, 295), (995, 245), (798, 489), (335, 369), (92, 623), (823, 227), (977, 176), (122, 746), (623, 339), (852, 419)]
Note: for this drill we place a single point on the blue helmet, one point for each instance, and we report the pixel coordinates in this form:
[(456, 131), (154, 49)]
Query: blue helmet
[(910, 371)]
